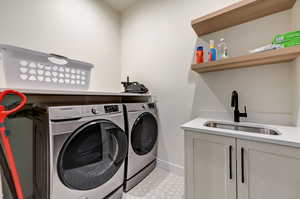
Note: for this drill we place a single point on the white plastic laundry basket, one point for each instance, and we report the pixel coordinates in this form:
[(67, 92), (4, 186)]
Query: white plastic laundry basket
[(29, 69)]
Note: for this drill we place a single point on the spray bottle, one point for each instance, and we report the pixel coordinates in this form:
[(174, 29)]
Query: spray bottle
[(222, 49), (212, 51)]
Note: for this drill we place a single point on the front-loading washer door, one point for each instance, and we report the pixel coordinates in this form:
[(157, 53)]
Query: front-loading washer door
[(92, 155), (144, 134)]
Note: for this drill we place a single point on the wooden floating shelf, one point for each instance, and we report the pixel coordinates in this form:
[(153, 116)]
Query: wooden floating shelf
[(238, 13), (263, 58)]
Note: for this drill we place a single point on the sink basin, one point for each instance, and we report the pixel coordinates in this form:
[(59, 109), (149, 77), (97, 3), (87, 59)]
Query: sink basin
[(245, 128)]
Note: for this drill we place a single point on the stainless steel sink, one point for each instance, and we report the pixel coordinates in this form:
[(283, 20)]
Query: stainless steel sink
[(245, 128)]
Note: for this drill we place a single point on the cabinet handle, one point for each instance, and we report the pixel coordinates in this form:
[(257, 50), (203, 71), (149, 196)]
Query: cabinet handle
[(230, 162), (243, 164)]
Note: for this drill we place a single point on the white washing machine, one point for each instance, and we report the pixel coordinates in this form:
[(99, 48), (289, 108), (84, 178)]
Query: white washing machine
[(79, 152), (142, 131)]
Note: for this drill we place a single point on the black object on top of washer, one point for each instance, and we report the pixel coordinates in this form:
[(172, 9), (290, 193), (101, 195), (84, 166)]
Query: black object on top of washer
[(134, 87)]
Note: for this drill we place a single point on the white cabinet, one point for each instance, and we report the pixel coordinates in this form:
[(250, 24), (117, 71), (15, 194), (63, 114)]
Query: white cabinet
[(270, 171), (210, 166), (220, 167)]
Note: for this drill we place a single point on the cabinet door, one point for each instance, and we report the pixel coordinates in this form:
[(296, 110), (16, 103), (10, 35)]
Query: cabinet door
[(210, 166), (267, 171)]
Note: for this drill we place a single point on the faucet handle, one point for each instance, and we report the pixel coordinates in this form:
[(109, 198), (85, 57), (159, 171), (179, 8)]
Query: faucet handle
[(245, 113)]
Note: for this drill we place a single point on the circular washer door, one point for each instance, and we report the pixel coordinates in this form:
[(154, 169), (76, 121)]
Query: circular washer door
[(144, 134), (92, 155)]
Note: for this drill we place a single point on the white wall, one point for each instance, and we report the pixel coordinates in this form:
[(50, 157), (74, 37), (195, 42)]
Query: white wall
[(87, 30), (296, 63), (157, 49)]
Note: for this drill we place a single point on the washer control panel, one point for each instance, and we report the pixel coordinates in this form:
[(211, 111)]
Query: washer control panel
[(69, 112)]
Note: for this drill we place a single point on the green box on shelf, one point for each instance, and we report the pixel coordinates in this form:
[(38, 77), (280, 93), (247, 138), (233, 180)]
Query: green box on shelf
[(279, 39), (292, 42)]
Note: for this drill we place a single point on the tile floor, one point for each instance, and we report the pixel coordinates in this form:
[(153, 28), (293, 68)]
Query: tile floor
[(160, 184)]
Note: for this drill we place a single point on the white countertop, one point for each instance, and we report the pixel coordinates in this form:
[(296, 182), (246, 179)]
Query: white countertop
[(70, 92), (290, 136)]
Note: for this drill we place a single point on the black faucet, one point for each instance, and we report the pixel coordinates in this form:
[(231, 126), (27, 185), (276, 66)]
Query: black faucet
[(235, 104)]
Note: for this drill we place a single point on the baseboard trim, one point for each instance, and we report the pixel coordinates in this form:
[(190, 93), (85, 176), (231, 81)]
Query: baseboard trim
[(179, 170)]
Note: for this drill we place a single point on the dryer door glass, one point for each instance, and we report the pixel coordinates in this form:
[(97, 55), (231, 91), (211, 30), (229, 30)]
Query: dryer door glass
[(92, 155), (144, 134)]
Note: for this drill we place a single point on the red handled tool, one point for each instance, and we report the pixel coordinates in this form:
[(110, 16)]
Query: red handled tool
[(5, 139)]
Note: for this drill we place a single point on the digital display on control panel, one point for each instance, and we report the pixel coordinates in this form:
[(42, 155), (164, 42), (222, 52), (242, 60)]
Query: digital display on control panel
[(111, 108), (151, 105)]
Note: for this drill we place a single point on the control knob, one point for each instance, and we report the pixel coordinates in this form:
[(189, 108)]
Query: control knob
[(95, 111)]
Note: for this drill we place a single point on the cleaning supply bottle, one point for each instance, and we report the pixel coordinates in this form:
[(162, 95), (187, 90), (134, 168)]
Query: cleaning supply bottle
[(222, 49), (212, 51), (199, 55)]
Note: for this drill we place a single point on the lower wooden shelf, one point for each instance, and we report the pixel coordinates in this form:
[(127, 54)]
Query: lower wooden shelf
[(263, 58)]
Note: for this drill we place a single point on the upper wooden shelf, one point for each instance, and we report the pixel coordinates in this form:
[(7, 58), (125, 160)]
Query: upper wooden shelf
[(268, 57), (238, 13)]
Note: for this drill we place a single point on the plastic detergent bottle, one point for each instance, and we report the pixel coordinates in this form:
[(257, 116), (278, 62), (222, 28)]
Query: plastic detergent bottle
[(212, 51), (199, 55), (222, 49)]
